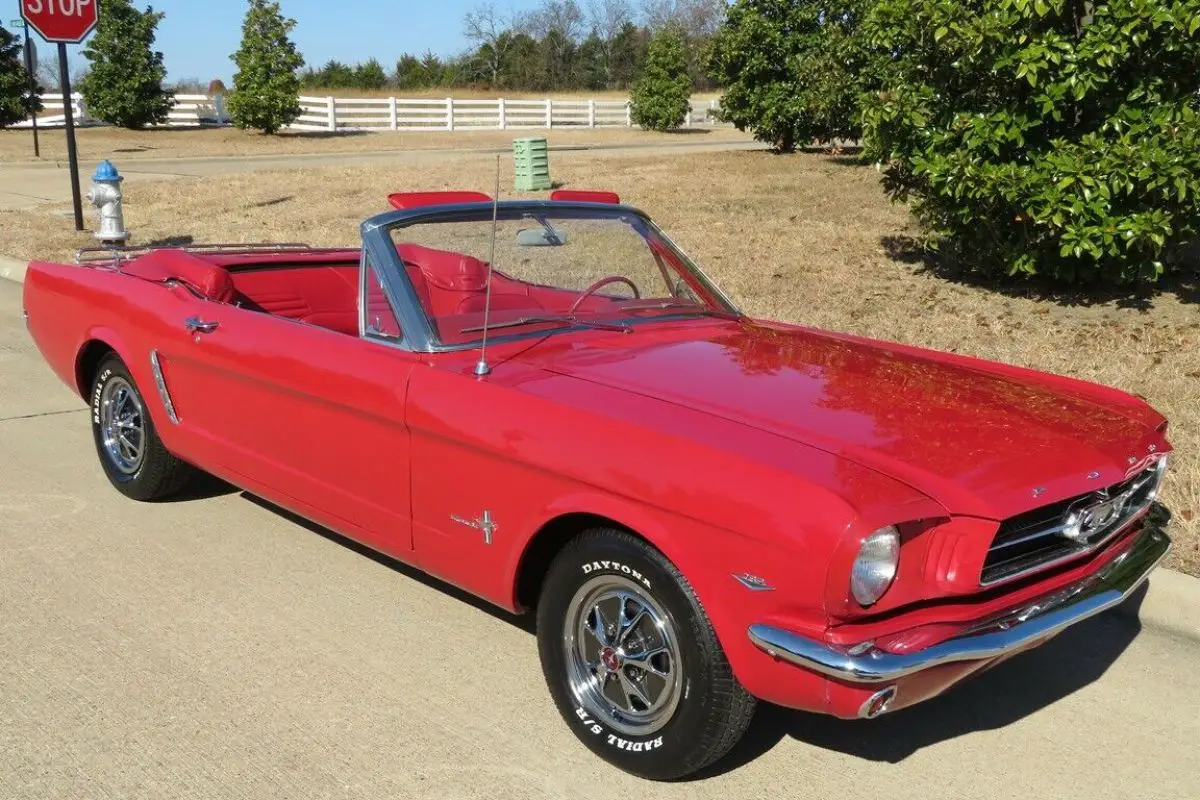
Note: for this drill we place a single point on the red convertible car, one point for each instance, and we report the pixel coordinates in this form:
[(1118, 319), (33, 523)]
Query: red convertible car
[(548, 404)]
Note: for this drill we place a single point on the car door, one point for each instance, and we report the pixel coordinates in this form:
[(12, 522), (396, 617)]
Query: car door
[(311, 418)]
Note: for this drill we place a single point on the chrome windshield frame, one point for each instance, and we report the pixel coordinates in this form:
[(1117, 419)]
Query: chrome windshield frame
[(420, 335)]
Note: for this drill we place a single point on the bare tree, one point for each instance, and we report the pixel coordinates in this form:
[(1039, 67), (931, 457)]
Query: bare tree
[(697, 18), (608, 17), (563, 16), (492, 33)]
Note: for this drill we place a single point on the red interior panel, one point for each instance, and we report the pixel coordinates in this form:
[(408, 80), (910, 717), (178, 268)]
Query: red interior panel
[(319, 295), (210, 280), (585, 196), (418, 199)]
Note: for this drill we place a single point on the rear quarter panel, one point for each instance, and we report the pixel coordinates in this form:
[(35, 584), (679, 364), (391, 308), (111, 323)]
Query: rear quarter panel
[(70, 306)]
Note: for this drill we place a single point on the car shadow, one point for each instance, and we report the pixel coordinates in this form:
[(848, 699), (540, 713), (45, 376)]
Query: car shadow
[(1013, 690)]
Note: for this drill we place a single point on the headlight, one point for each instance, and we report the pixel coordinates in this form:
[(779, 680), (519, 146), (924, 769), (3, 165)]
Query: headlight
[(875, 567)]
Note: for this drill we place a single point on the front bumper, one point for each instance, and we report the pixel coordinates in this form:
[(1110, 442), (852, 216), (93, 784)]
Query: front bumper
[(991, 640)]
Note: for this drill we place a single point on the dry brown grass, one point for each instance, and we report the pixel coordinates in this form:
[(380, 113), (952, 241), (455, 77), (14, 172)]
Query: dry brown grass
[(16, 147), (802, 238)]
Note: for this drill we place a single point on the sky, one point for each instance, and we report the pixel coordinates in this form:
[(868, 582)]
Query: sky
[(197, 36)]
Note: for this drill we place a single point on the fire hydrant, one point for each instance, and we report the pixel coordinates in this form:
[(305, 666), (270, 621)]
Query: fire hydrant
[(105, 194)]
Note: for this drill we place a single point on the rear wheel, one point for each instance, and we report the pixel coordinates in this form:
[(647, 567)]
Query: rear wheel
[(133, 457), (632, 661)]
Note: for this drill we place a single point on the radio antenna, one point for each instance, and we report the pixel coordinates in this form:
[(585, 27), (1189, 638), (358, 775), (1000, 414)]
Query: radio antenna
[(482, 368)]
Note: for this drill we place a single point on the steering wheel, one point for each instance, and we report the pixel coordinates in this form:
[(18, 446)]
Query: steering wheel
[(600, 284)]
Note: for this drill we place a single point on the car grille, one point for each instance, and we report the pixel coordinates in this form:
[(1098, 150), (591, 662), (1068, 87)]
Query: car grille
[(1043, 537)]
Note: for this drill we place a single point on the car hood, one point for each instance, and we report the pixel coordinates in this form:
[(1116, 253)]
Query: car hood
[(977, 441)]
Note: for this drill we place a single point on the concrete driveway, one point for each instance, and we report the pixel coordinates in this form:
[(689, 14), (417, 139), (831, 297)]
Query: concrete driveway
[(215, 647)]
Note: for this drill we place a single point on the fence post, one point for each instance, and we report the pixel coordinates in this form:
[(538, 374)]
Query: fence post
[(687, 118), (449, 113), (591, 113), (549, 113), (331, 110), (80, 109), (628, 114), (500, 111), (395, 121), (712, 107)]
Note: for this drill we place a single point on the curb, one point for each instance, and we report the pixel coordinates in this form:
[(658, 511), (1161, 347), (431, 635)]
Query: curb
[(1171, 602), (13, 270)]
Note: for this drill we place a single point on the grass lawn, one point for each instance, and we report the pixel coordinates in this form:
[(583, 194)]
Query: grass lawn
[(16, 146), (805, 238)]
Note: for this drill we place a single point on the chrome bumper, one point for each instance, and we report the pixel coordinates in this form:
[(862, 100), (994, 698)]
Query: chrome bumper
[(864, 663)]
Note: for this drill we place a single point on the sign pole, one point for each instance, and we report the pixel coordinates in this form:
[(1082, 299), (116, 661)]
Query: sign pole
[(30, 69), (64, 78)]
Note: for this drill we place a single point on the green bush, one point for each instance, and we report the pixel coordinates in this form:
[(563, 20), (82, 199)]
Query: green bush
[(16, 101), (661, 94), (124, 82), (1043, 136), (266, 86), (793, 72)]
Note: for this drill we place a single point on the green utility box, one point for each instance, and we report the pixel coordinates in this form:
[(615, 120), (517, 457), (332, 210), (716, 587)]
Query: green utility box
[(531, 164)]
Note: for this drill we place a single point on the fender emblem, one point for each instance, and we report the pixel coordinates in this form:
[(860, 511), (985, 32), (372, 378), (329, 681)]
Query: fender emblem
[(484, 523), (753, 582)]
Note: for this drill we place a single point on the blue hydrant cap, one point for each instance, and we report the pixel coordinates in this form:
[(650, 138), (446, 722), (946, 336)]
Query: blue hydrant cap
[(106, 172)]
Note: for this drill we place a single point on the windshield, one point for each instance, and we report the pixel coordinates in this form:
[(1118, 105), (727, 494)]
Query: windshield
[(553, 269)]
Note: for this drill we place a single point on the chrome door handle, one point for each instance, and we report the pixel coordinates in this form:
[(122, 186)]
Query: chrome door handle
[(197, 325)]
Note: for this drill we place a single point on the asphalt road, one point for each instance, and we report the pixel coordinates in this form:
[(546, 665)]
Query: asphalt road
[(217, 648)]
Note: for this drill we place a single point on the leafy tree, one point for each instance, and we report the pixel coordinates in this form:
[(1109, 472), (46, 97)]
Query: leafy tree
[(370, 75), (412, 74), (793, 71), (1056, 137), (124, 83), (521, 67), (558, 59), (662, 93), (16, 101), (628, 53), (590, 65), (266, 86)]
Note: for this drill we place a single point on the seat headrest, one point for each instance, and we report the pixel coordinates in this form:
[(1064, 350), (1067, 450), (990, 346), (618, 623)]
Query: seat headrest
[(210, 280), (446, 269)]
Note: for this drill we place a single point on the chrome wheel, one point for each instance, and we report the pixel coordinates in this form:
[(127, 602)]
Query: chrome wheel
[(122, 425), (622, 653)]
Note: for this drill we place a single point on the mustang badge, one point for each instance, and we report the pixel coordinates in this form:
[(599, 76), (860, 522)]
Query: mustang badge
[(1092, 515)]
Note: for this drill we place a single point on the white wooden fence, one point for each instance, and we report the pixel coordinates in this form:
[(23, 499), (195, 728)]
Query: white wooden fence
[(401, 114)]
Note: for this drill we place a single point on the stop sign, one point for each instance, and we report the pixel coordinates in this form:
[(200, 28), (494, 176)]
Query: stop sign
[(60, 20)]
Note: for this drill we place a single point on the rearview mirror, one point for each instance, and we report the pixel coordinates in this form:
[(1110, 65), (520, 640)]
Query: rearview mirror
[(545, 236)]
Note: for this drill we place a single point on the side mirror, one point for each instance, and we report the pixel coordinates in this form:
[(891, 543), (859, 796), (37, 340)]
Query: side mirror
[(544, 236)]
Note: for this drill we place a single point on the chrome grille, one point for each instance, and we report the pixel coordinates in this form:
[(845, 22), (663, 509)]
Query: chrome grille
[(1048, 535)]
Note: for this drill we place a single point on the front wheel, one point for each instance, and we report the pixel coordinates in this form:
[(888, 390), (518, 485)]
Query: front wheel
[(632, 661)]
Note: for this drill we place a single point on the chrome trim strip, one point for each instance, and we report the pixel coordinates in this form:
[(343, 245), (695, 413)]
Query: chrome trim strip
[(998, 636), (161, 383)]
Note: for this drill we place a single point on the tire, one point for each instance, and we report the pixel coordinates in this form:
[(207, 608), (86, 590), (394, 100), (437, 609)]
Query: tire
[(132, 455), (664, 717)]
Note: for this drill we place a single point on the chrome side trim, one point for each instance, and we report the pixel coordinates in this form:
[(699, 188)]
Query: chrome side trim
[(161, 383), (118, 254), (1009, 632)]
